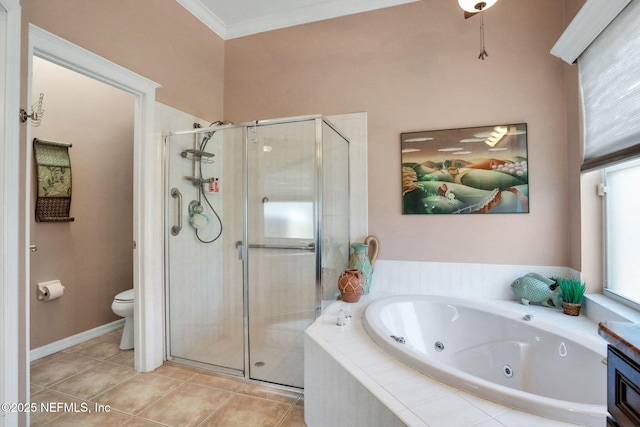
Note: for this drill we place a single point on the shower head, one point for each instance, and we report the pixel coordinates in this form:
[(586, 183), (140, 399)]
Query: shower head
[(209, 135), (206, 138)]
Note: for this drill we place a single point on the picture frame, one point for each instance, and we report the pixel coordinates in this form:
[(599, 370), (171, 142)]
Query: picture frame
[(480, 169)]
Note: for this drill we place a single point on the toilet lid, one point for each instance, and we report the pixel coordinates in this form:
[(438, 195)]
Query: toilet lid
[(126, 296)]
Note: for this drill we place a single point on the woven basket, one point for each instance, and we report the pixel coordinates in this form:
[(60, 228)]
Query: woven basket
[(571, 309)]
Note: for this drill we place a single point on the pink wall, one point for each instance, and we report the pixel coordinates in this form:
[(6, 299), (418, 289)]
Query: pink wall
[(415, 67), (158, 39), (412, 67)]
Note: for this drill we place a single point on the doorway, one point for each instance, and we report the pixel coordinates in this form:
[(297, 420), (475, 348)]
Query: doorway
[(147, 180), (91, 255)]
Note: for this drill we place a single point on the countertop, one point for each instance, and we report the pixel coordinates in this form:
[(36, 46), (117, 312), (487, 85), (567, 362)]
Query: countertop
[(624, 336)]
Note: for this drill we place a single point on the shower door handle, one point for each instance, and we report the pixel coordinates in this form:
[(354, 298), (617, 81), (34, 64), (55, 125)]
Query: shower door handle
[(239, 246), (310, 247), (175, 193)]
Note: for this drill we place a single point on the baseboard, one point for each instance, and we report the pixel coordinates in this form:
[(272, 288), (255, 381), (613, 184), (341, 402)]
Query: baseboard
[(76, 339)]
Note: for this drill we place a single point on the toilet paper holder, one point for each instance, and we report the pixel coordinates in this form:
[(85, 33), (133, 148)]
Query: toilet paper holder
[(45, 292)]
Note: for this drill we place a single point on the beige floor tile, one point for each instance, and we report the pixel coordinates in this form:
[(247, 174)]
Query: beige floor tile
[(90, 419), (176, 372), (114, 338), (117, 334), (135, 394), (271, 393), (59, 368), (217, 381), (124, 358), (94, 380), (295, 418), (84, 345), (46, 405), (46, 359), (33, 389), (186, 406), (139, 422), (101, 350), (248, 411), (239, 386), (173, 395)]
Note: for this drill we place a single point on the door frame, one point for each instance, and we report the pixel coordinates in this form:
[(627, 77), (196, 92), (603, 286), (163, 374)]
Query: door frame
[(147, 185), (12, 367)]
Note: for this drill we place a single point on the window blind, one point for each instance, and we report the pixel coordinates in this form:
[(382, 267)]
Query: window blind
[(610, 85)]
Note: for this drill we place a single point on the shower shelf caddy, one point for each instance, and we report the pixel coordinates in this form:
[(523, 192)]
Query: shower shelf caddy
[(198, 156)]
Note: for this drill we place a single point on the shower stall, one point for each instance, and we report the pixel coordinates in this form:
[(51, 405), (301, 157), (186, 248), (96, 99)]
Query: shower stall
[(257, 233)]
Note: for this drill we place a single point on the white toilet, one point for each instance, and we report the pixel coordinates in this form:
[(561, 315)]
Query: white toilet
[(123, 307)]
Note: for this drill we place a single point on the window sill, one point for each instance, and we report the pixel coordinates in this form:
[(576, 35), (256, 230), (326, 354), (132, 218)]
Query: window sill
[(600, 308)]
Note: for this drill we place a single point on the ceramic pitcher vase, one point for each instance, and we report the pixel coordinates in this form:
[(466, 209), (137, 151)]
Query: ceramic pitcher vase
[(361, 260), (351, 285)]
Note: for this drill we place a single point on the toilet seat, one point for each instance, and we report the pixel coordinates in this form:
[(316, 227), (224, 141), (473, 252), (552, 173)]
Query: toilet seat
[(125, 296)]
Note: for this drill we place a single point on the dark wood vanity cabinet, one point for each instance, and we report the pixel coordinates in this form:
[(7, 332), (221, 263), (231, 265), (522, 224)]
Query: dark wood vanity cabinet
[(623, 389), (623, 373)]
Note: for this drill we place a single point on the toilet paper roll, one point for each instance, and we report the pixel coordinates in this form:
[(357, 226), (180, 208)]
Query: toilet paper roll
[(51, 290)]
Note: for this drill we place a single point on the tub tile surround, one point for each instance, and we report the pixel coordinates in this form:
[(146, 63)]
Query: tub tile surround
[(358, 377), (465, 280)]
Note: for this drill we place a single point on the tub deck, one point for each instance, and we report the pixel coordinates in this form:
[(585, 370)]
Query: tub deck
[(364, 385)]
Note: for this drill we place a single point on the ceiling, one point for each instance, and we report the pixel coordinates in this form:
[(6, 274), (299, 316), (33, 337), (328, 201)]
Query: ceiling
[(236, 18)]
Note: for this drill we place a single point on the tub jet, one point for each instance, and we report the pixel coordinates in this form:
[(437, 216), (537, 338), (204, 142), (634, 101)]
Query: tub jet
[(508, 372)]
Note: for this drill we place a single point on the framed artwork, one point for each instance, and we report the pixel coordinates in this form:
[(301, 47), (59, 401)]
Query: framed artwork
[(467, 170)]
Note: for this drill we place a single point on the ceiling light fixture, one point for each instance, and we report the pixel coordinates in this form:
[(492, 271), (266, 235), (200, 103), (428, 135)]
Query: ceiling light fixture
[(472, 7)]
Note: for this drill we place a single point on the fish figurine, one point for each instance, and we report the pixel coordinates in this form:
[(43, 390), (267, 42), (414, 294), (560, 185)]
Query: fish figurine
[(536, 288)]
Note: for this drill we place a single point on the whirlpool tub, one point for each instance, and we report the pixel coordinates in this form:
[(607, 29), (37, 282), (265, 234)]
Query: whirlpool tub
[(534, 359)]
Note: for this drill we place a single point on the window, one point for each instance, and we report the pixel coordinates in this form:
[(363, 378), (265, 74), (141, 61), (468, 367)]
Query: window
[(622, 228), (292, 220), (610, 89)]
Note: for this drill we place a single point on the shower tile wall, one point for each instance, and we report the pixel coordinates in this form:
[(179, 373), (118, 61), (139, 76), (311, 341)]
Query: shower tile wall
[(200, 297), (335, 211), (354, 127), (196, 269)]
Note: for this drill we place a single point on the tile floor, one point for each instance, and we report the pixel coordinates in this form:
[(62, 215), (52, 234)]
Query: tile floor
[(94, 384)]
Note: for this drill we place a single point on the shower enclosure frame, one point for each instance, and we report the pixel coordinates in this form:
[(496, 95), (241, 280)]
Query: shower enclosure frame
[(244, 246)]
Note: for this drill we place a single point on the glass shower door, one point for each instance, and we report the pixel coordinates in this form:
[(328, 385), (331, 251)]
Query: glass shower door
[(205, 287), (281, 235)]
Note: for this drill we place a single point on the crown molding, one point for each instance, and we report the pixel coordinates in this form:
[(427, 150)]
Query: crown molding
[(297, 16), (206, 16), (588, 23)]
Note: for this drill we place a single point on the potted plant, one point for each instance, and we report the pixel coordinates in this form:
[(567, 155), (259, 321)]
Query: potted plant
[(572, 295)]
